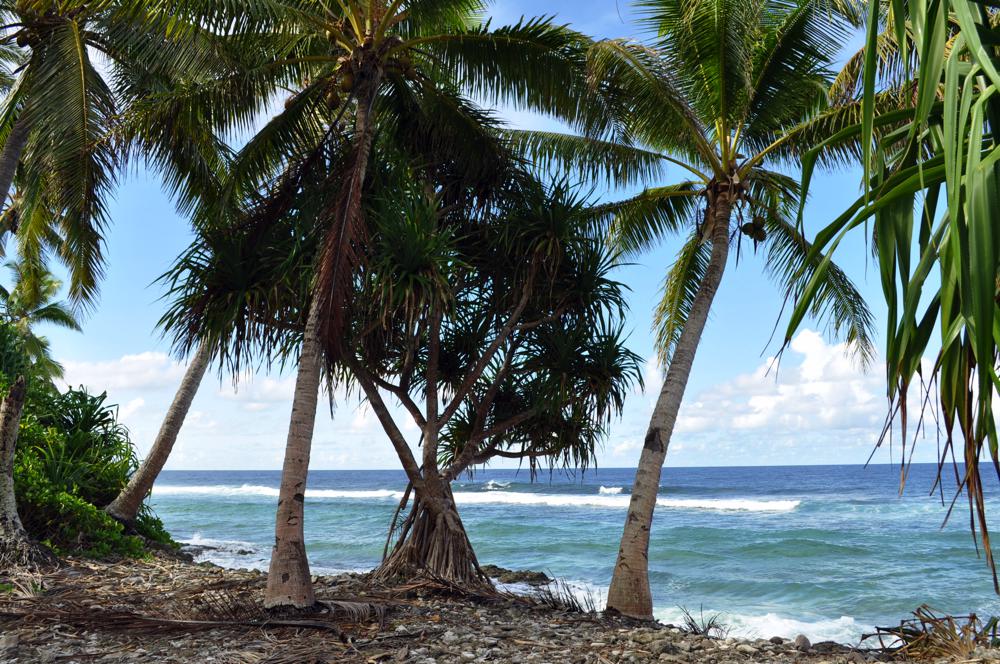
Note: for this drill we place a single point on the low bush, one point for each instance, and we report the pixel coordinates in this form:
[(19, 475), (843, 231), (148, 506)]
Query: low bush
[(73, 457)]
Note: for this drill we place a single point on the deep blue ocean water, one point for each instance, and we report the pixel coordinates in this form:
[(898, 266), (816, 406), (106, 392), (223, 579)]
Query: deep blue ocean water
[(828, 551)]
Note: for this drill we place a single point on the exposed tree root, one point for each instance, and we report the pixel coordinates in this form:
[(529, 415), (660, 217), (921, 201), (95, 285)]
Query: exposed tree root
[(433, 543), (19, 553)]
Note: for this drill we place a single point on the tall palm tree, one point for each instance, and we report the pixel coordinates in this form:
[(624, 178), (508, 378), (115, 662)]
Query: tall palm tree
[(728, 93), (29, 302), (355, 67)]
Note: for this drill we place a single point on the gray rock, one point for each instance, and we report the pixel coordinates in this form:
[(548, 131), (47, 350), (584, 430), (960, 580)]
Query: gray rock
[(450, 637), (802, 643), (776, 640), (746, 649), (8, 644)]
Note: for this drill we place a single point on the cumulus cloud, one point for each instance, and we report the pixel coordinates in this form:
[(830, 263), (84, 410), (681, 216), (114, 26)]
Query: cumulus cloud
[(827, 392), (150, 370)]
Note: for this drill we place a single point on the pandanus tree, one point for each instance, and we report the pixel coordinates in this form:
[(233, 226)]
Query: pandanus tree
[(352, 67), (930, 195), (726, 97), (496, 330)]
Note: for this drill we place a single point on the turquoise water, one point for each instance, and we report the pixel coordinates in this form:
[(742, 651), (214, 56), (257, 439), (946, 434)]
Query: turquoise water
[(828, 551)]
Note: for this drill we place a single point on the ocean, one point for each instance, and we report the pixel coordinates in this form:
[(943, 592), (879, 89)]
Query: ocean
[(826, 551)]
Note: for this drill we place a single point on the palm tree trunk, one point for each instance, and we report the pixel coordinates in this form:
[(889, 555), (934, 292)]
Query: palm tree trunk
[(288, 579), (11, 155), (125, 507), (16, 548), (629, 593)]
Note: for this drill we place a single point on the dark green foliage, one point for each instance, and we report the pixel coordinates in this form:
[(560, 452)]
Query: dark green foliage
[(72, 457)]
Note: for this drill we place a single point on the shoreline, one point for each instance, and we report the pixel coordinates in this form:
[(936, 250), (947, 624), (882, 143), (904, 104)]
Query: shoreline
[(129, 612)]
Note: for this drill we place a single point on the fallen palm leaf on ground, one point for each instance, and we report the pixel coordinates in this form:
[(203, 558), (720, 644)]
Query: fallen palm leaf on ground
[(932, 636)]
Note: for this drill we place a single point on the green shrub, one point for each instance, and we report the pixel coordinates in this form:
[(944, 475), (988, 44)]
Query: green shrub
[(72, 458)]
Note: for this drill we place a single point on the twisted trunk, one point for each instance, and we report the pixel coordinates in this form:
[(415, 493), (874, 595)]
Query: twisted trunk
[(16, 548), (11, 155), (125, 507), (433, 542), (629, 593), (288, 580)]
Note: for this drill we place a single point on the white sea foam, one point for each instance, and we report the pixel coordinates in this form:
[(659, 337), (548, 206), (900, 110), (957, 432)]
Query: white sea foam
[(236, 554), (499, 497), (494, 485), (844, 629), (621, 502), (609, 490), (256, 490)]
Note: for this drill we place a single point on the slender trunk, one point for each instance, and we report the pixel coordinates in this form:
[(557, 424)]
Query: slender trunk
[(11, 155), (433, 542), (288, 578), (16, 548), (125, 507), (629, 593)]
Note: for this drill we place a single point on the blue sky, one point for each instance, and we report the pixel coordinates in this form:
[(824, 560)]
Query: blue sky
[(819, 408)]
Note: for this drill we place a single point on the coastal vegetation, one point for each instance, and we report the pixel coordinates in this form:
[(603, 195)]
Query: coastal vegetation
[(383, 233)]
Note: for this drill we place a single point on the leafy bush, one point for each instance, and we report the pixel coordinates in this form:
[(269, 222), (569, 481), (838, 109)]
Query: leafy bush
[(72, 458)]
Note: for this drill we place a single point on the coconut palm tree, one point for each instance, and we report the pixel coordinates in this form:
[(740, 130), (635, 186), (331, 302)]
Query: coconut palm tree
[(29, 302), (354, 68), (727, 95), (57, 119)]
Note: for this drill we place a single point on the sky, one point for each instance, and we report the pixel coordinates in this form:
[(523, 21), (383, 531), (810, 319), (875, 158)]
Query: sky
[(818, 408)]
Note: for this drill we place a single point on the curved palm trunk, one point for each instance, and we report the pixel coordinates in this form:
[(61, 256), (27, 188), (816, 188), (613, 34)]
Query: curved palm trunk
[(16, 548), (433, 542), (11, 155), (288, 579), (125, 507), (629, 593)]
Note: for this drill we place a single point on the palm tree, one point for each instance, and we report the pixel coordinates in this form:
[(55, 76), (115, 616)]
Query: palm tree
[(946, 152), (354, 67), (502, 324), (728, 93), (58, 117), (29, 303)]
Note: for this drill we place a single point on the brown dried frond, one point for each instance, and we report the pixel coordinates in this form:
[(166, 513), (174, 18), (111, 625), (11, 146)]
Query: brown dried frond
[(929, 636)]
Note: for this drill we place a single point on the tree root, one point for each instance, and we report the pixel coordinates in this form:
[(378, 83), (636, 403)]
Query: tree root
[(433, 543), (18, 553)]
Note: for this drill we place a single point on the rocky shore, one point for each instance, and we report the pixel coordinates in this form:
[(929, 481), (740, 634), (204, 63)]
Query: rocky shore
[(165, 610)]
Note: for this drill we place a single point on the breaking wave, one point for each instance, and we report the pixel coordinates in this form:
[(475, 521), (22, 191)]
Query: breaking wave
[(608, 498)]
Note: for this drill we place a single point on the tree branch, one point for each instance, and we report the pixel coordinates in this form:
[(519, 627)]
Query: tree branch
[(484, 360), (385, 418)]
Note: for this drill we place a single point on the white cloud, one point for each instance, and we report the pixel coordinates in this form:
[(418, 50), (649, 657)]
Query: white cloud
[(625, 447), (826, 392), (131, 408), (148, 370)]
